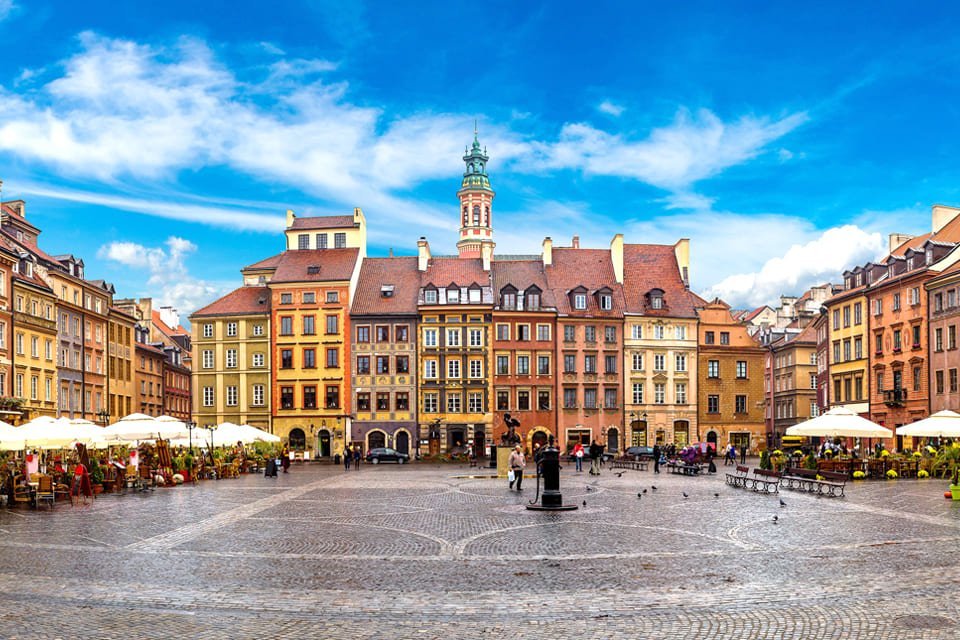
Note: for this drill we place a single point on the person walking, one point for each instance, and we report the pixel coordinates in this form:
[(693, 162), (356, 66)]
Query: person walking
[(726, 455), (517, 461), (81, 483), (578, 456), (731, 455), (356, 457), (285, 459), (656, 458), (595, 452), (743, 455), (347, 458)]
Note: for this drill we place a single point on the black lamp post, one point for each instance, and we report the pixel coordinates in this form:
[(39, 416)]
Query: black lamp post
[(211, 428), (103, 417), (190, 427)]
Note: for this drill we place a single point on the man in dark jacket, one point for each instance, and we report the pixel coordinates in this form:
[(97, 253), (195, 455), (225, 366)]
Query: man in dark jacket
[(595, 452), (656, 458)]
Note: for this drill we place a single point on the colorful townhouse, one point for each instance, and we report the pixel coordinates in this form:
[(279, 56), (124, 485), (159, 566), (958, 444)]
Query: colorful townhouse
[(34, 339), (793, 379), (383, 352), (9, 258), (121, 351), (148, 363), (730, 380), (524, 350), (231, 355), (659, 343), (849, 345), (943, 296)]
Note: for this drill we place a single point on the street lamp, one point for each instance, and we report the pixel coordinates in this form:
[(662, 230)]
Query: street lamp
[(103, 417), (190, 427), (211, 428)]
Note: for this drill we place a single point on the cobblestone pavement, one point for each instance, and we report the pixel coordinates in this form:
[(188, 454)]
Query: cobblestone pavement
[(418, 552)]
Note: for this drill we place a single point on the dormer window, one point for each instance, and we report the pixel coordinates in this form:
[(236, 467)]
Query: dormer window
[(580, 301), (656, 302), (386, 291), (929, 255), (910, 263), (508, 297), (430, 296), (453, 295), (532, 301), (313, 270), (475, 295), (606, 301)]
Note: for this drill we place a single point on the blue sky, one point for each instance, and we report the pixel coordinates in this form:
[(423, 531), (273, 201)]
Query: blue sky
[(163, 142)]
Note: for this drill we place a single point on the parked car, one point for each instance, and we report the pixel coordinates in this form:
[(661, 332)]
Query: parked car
[(638, 453), (383, 454)]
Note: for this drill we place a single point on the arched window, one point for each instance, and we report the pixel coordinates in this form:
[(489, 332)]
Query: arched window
[(486, 219), (466, 216), (476, 215)]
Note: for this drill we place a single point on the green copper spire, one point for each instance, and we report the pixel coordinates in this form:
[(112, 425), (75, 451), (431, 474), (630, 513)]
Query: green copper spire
[(475, 175)]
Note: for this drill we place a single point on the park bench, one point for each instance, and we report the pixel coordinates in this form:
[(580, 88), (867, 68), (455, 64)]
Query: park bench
[(682, 468), (833, 483), (765, 480), (636, 465), (739, 477), (796, 478)]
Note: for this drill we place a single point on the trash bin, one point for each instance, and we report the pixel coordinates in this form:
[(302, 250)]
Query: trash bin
[(270, 468)]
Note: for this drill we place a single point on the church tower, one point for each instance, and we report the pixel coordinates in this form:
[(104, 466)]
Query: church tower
[(476, 201)]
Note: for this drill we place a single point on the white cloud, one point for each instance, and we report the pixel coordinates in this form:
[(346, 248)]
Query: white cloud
[(169, 279), (610, 108), (822, 259), (693, 147), (6, 8)]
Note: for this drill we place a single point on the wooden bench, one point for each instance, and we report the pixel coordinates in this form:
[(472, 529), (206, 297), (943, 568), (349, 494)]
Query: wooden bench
[(636, 465), (834, 484), (765, 480), (739, 477), (682, 468), (796, 478)]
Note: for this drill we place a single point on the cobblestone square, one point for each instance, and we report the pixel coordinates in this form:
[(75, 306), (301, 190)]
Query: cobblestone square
[(420, 551)]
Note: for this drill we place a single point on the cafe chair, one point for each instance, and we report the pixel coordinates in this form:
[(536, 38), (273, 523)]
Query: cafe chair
[(45, 491), (21, 491)]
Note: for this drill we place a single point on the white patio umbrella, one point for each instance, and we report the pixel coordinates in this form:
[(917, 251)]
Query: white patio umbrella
[(132, 428), (172, 428), (10, 438), (259, 435), (89, 433), (839, 422), (944, 424), (46, 432)]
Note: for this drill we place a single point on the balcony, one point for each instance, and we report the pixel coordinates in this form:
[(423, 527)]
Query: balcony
[(895, 397)]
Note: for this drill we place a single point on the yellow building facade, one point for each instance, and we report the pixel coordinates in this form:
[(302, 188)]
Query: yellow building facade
[(121, 386), (34, 345), (848, 352)]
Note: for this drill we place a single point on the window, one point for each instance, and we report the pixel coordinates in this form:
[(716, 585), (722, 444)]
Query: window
[(523, 332), (286, 358), (533, 301), (258, 360), (503, 400), (453, 403), (474, 296), (333, 296), (896, 302), (309, 325), (333, 357), (878, 307), (503, 331), (523, 400), (740, 404), (569, 363), (915, 296), (606, 302), (708, 337), (658, 332), (610, 364), (333, 323), (656, 302), (543, 365), (636, 332), (231, 329), (476, 369), (879, 382), (383, 401), (503, 365), (846, 349), (543, 332), (590, 334), (321, 240), (207, 358), (680, 362), (713, 368), (430, 296), (681, 391), (609, 334), (286, 298), (523, 365), (429, 337), (257, 400), (401, 401), (915, 329), (476, 337), (403, 364), (430, 402), (333, 397), (938, 378), (813, 381), (569, 398), (637, 364), (339, 240), (609, 398), (363, 365), (659, 393), (207, 328), (846, 316), (896, 341), (858, 347), (952, 337), (508, 300), (303, 241), (680, 332), (453, 368), (453, 337), (231, 358), (208, 396), (309, 358), (543, 400), (724, 337), (231, 396), (430, 369), (589, 364), (857, 314), (569, 333), (938, 339), (589, 398), (286, 326), (637, 393), (741, 368), (953, 380), (713, 404), (878, 340), (258, 329), (659, 362), (580, 301)]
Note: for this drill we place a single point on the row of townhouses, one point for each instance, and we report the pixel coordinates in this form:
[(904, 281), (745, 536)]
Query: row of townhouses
[(69, 347)]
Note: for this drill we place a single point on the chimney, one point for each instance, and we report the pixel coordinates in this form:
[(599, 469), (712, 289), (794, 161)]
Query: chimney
[(19, 207), (616, 257), (547, 251), (897, 239), (390, 254), (486, 255), (291, 216), (682, 252), (576, 242), (358, 215), (423, 253), (943, 215)]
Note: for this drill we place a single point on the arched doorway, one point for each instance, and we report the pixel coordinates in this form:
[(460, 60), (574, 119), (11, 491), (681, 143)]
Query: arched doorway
[(479, 443), (298, 439), (538, 439), (376, 440), (661, 437), (638, 429), (712, 439), (457, 439), (403, 442), (613, 440), (323, 444), (681, 433)]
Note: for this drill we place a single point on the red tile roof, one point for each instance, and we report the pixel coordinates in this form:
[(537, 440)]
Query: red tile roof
[(753, 314), (266, 263), (589, 268), (462, 271), (243, 301), (334, 264), (654, 266), (166, 329), (34, 280), (376, 273), (323, 222), (522, 274)]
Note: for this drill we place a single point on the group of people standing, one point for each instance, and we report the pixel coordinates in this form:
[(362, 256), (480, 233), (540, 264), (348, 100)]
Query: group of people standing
[(351, 456), (730, 455)]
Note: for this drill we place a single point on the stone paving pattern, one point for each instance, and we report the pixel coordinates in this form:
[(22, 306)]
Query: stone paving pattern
[(416, 552)]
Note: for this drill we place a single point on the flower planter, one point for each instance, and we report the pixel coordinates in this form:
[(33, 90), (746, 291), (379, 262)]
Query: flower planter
[(955, 491), (97, 489)]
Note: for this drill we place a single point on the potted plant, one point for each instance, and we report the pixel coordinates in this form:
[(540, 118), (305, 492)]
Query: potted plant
[(96, 476), (187, 466), (947, 463)]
